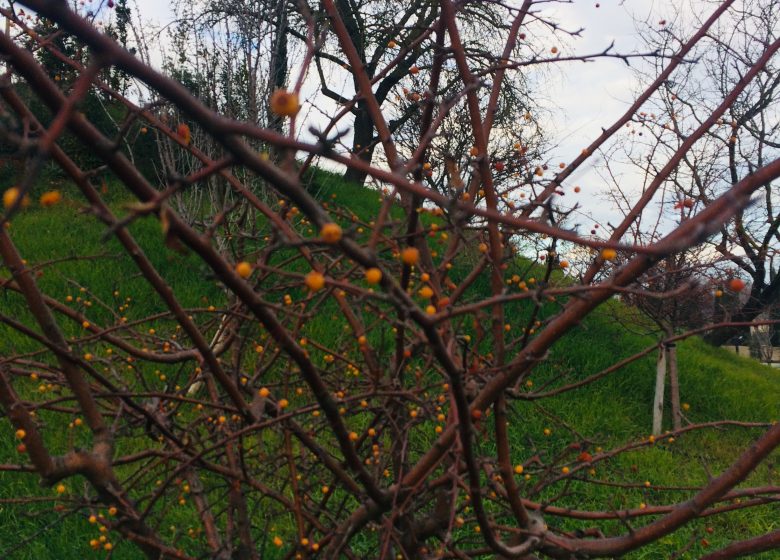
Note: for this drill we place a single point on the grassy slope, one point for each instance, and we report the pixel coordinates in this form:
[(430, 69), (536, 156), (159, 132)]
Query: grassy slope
[(716, 383)]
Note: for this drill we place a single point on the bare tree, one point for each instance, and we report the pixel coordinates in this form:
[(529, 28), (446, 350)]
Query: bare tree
[(740, 141), (348, 393)]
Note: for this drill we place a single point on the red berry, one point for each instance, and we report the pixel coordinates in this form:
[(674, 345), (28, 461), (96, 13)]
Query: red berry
[(736, 284)]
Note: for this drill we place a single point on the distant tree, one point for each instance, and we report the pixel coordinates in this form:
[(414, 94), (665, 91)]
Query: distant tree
[(743, 137)]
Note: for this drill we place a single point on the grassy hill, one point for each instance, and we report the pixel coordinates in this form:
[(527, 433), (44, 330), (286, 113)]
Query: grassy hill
[(714, 383)]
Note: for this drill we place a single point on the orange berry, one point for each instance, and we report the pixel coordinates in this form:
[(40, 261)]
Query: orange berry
[(608, 254), (373, 275), (50, 198), (184, 133), (20, 434), (264, 392), (314, 281), (410, 256), (414, 70), (331, 233), (11, 195), (244, 269), (425, 292), (284, 103)]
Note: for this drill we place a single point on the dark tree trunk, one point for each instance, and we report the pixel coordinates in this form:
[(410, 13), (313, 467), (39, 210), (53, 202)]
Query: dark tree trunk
[(278, 67), (362, 144), (759, 301)]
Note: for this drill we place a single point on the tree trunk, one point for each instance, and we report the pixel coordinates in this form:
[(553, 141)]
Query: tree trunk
[(278, 67), (658, 400), (674, 385), (362, 143)]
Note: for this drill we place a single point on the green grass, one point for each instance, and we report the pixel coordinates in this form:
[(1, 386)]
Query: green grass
[(614, 410)]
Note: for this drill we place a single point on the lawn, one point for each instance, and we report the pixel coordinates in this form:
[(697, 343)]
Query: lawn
[(97, 279)]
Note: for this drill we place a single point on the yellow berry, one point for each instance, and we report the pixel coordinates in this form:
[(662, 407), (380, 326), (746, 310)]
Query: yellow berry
[(284, 103)]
